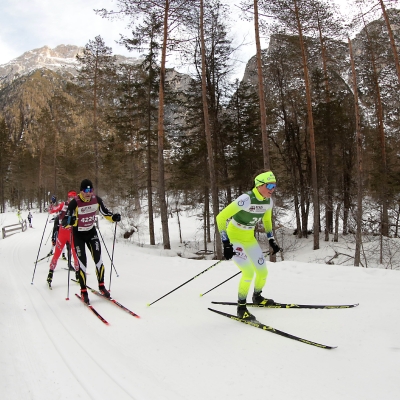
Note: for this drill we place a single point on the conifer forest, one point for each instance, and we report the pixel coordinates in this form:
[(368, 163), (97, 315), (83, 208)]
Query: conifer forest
[(319, 107)]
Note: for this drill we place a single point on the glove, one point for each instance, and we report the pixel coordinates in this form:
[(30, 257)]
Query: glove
[(116, 217), (228, 250), (274, 246)]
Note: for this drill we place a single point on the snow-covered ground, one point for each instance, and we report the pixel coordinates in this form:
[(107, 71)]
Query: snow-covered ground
[(53, 348)]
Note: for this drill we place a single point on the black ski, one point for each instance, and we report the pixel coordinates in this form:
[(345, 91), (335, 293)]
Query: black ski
[(92, 309), (257, 324), (96, 292), (284, 305)]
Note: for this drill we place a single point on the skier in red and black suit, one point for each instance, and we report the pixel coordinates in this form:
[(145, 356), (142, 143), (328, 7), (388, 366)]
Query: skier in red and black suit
[(81, 215), (63, 236), (56, 225)]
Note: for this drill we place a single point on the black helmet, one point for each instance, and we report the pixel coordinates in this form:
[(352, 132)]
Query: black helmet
[(86, 184)]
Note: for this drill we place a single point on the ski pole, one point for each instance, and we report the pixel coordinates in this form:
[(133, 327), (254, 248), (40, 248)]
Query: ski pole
[(222, 283), (49, 235), (186, 282), (112, 263), (69, 250), (40, 245), (112, 254)]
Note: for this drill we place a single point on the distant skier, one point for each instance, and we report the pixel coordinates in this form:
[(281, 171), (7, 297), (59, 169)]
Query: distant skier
[(81, 214), (30, 219), (239, 241), (64, 237), (19, 216)]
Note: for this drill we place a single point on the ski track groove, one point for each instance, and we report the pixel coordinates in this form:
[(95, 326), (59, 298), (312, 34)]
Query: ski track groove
[(69, 364)]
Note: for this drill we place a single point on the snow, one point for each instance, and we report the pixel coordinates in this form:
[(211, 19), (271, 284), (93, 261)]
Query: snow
[(53, 348)]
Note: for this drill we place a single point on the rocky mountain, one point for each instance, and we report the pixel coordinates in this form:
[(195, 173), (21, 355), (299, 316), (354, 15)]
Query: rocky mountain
[(28, 83), (61, 59)]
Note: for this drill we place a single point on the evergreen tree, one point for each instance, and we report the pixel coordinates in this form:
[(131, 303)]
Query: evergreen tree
[(96, 75)]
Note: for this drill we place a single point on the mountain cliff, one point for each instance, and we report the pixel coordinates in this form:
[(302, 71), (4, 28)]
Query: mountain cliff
[(61, 59)]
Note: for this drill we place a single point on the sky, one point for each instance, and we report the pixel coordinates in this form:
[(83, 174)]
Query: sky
[(53, 348), (31, 24)]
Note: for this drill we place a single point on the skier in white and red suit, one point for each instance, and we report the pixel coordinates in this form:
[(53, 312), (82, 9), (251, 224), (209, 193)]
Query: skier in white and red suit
[(64, 236)]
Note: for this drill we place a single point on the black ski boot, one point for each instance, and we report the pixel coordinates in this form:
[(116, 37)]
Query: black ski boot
[(262, 301), (77, 275), (63, 256), (50, 278), (85, 296), (243, 312), (104, 291), (50, 254)]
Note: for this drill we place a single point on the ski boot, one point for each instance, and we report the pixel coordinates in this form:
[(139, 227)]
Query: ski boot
[(262, 301), (63, 256), (104, 291), (243, 312), (85, 296), (50, 278), (50, 254), (77, 275)]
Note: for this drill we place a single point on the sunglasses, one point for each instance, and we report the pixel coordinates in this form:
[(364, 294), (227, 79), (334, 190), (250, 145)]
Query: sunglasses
[(88, 190), (270, 186)]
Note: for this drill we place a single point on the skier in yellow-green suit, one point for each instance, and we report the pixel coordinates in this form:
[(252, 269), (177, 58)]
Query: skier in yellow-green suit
[(240, 243)]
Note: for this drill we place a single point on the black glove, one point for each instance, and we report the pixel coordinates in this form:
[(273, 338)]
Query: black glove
[(274, 246), (116, 217), (228, 250)]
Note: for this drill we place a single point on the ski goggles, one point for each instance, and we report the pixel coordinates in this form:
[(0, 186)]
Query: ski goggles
[(270, 186), (88, 190)]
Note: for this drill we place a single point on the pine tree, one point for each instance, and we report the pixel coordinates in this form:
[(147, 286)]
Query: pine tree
[(96, 74)]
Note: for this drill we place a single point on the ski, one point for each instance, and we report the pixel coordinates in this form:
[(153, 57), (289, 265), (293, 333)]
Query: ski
[(257, 324), (96, 292), (92, 309), (284, 305)]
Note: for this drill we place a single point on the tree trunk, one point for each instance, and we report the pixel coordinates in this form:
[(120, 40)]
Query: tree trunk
[(391, 38), (214, 190), (149, 182), (357, 254), (161, 177), (381, 134), (95, 144), (336, 234), (261, 94), (329, 146), (205, 219), (310, 130)]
